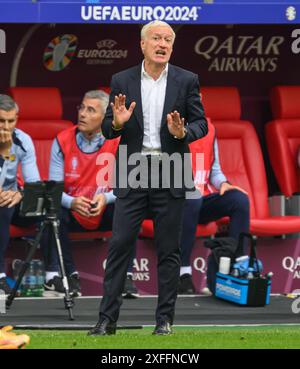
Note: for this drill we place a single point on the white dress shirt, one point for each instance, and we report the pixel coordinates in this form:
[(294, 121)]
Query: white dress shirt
[(153, 99)]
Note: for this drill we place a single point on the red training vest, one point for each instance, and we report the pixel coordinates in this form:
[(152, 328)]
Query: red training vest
[(202, 163), (83, 172)]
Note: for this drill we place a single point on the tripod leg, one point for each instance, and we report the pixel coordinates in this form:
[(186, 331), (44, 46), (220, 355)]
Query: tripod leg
[(69, 303), (25, 266)]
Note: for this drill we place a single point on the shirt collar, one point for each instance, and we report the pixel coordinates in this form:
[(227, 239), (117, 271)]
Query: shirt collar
[(97, 138), (163, 73), (17, 141)]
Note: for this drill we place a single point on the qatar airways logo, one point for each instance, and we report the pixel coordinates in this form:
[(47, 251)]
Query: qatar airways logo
[(292, 265), (141, 269), (2, 42), (240, 53)]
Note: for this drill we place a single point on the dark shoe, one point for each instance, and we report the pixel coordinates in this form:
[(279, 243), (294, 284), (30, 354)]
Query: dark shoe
[(130, 290), (186, 286), (54, 287), (74, 285), (104, 327), (163, 329), (4, 286)]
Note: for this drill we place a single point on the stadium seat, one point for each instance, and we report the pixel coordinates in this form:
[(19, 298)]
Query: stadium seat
[(105, 89), (147, 229), (283, 137), (242, 161), (41, 117)]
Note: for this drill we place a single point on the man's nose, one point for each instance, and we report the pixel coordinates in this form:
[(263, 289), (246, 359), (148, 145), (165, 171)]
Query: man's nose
[(163, 43), (82, 113)]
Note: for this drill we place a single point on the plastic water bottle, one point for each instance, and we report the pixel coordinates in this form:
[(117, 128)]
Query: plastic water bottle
[(39, 278), (250, 274), (29, 282), (235, 272)]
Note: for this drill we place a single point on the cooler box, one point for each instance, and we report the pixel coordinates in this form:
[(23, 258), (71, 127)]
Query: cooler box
[(247, 292)]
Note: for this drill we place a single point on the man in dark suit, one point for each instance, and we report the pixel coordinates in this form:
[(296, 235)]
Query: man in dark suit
[(156, 109)]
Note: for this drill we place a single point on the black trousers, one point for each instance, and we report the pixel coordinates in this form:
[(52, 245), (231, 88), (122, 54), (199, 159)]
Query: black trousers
[(130, 211)]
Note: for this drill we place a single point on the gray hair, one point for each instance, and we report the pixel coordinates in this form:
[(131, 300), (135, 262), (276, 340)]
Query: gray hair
[(155, 23), (100, 95), (8, 104)]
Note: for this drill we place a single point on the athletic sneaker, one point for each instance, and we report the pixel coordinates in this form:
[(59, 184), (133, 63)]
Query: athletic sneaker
[(186, 286), (130, 290), (74, 285), (4, 286), (54, 287)]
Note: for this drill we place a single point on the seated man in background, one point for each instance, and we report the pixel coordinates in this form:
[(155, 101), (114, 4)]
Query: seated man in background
[(86, 203), (15, 147), (230, 201)]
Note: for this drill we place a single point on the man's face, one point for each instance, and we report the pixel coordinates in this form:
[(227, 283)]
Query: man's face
[(8, 120), (90, 116), (157, 46)]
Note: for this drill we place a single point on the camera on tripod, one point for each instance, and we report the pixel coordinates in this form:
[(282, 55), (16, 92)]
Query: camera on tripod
[(43, 199)]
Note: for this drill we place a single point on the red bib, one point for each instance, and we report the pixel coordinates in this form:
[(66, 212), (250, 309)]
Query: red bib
[(84, 172), (202, 156)]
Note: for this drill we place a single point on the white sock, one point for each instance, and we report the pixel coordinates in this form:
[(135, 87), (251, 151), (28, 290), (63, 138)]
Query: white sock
[(50, 275), (185, 270), (2, 275)]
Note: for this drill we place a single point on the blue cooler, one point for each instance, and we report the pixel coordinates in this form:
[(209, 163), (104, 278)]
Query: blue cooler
[(249, 288), (248, 292)]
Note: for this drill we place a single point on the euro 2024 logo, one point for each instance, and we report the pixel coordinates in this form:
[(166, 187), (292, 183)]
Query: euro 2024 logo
[(59, 52)]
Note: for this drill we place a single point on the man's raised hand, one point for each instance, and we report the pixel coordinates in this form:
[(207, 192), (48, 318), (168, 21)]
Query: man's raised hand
[(176, 125), (120, 112)]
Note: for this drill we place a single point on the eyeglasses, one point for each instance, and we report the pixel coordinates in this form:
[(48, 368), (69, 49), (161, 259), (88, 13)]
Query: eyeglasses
[(89, 109)]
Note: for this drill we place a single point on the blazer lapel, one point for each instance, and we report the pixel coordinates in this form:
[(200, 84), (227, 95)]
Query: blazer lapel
[(134, 89), (172, 90)]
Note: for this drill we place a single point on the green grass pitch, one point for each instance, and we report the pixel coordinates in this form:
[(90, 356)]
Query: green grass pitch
[(267, 337)]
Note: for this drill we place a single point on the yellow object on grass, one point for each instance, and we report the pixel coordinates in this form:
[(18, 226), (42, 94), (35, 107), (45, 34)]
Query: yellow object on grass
[(11, 340)]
